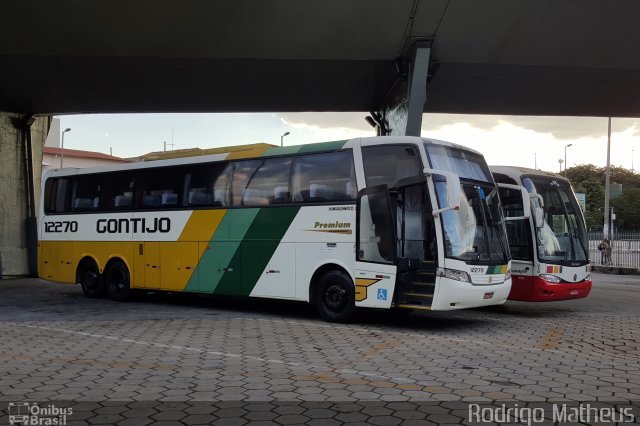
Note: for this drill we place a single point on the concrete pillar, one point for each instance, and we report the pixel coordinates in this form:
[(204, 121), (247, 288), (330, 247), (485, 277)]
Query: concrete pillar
[(401, 113), (15, 208)]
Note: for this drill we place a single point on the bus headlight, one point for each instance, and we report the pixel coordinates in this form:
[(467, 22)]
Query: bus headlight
[(507, 276), (550, 278), (454, 274)]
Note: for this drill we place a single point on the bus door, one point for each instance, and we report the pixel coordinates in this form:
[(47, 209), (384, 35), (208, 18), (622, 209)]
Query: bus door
[(416, 244), (375, 269), (517, 213)]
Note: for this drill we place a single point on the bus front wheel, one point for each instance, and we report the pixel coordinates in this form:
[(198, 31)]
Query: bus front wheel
[(118, 282), (91, 280), (335, 297)]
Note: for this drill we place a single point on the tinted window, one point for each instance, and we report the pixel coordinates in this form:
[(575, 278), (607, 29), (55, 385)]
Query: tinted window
[(86, 193), (208, 185), (502, 178), (518, 231), (55, 195), (321, 178), (269, 183), (161, 188), (119, 191), (389, 164), (243, 172)]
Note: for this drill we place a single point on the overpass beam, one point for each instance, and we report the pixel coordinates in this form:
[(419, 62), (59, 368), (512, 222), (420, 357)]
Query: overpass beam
[(401, 112)]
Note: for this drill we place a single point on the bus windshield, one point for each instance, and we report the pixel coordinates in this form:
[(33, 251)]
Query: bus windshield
[(562, 239), (475, 233)]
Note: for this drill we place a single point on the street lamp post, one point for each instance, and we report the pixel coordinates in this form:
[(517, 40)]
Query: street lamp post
[(68, 129), (282, 138), (607, 178), (565, 159)]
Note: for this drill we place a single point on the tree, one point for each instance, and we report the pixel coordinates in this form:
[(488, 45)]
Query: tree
[(627, 207), (594, 194), (583, 172)]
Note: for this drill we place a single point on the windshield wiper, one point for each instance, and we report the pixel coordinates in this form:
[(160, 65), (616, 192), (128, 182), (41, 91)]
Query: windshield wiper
[(584, 249)]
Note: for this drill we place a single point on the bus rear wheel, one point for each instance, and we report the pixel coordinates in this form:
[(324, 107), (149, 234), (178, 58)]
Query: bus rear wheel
[(335, 297), (118, 282), (91, 280)]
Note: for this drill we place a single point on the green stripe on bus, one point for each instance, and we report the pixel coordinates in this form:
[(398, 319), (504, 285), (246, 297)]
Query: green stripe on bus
[(323, 146), (277, 150), (256, 249), (223, 246), (305, 149)]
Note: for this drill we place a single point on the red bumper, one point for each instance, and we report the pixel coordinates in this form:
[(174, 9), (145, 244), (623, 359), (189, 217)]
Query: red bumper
[(535, 289)]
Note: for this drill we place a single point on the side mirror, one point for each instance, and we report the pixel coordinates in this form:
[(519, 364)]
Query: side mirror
[(537, 205), (524, 194), (454, 192)]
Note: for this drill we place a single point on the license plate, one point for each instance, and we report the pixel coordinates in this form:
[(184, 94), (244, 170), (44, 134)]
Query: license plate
[(574, 292), (488, 295)]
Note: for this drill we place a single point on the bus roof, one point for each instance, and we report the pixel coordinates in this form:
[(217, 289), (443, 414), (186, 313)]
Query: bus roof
[(257, 150), (515, 172)]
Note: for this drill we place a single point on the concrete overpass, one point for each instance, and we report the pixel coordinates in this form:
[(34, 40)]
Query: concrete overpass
[(537, 57)]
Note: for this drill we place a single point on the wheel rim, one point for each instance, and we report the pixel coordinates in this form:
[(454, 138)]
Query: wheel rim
[(91, 279), (117, 281), (335, 297)]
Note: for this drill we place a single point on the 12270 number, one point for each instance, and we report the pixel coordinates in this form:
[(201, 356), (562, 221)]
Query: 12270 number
[(62, 226)]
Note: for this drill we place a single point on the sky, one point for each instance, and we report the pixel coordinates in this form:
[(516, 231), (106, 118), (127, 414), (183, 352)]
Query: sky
[(504, 140)]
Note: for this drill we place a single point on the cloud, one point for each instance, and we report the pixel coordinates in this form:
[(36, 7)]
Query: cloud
[(559, 127), (328, 120)]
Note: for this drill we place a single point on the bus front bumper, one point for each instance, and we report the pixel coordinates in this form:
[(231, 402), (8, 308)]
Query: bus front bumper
[(535, 289), (452, 294)]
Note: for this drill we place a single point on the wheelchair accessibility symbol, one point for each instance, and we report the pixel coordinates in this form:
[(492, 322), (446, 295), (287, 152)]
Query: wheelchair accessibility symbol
[(382, 294)]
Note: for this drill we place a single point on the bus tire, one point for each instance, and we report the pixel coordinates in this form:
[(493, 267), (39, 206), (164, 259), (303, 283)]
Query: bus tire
[(91, 280), (118, 282), (335, 297)]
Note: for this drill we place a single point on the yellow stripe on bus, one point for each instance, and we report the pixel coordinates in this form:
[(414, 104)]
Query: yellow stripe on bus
[(201, 225), (250, 152)]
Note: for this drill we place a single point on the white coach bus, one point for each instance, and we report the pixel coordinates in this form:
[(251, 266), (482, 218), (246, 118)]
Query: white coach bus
[(385, 222)]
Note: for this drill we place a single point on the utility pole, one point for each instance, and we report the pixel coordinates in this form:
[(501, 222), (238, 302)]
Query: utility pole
[(605, 230)]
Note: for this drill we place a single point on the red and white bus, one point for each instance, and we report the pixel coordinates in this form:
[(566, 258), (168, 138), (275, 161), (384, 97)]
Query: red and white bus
[(547, 235)]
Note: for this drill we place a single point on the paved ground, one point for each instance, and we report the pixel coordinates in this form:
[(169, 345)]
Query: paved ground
[(198, 360)]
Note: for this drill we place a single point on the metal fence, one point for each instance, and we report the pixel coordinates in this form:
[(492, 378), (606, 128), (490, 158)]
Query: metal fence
[(625, 249)]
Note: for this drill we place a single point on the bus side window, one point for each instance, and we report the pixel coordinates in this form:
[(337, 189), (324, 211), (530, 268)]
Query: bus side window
[(50, 189), (328, 177), (208, 185), (86, 193), (161, 188), (118, 190), (389, 164), (269, 184), (56, 195), (243, 172)]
